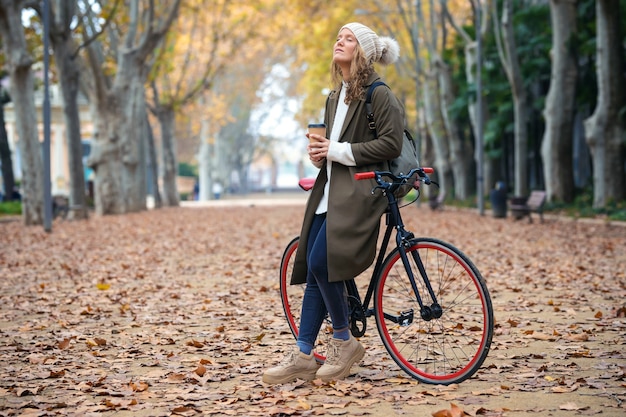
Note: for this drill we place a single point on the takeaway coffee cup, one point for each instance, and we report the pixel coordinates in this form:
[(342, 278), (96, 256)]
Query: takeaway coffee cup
[(318, 129)]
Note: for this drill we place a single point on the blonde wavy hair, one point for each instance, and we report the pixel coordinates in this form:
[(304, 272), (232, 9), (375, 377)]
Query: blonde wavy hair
[(360, 71)]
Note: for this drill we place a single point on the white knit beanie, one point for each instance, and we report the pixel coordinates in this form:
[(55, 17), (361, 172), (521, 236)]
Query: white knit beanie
[(377, 48)]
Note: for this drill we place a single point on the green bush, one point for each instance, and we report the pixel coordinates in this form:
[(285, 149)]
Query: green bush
[(187, 170), (9, 208), (616, 210), (618, 215), (582, 206)]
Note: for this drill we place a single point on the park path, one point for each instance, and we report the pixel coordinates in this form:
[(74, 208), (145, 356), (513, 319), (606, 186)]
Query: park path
[(176, 312)]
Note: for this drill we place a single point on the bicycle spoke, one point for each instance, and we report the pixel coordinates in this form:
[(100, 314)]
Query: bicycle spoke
[(439, 350), (443, 350)]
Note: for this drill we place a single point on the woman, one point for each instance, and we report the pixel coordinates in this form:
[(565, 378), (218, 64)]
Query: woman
[(342, 217)]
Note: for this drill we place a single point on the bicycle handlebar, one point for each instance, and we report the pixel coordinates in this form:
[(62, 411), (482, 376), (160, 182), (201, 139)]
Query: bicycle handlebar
[(397, 181), (364, 175), (307, 183), (421, 172)]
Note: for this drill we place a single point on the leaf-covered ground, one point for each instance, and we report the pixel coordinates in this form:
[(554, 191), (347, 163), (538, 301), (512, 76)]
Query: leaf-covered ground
[(176, 312)]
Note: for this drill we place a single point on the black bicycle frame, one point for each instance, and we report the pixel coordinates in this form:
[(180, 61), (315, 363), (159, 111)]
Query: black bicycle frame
[(403, 237)]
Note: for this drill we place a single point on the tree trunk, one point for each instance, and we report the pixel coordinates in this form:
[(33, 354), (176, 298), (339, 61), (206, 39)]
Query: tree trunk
[(460, 155), (471, 62), (69, 86), (22, 89), (204, 162), (470, 76), (106, 158), (166, 118), (69, 77), (118, 146), (605, 130), (153, 165), (556, 148), (133, 144), (6, 160), (119, 157), (510, 62), (436, 130)]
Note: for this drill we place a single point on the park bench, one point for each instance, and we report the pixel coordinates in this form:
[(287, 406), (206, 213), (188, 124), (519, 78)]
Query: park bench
[(534, 203)]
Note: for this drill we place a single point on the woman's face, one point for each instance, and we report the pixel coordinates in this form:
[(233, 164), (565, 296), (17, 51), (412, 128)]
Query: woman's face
[(344, 48)]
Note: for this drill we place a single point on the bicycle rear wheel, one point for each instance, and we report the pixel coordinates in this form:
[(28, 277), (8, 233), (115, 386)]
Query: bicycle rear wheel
[(443, 350), (291, 297)]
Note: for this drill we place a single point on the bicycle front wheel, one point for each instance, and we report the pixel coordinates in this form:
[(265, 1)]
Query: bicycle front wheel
[(292, 296), (435, 350)]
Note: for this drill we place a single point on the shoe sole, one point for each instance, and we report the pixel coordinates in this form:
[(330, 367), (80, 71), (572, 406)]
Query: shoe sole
[(269, 379), (347, 369)]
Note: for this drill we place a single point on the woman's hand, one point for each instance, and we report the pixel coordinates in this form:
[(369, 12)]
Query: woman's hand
[(318, 147)]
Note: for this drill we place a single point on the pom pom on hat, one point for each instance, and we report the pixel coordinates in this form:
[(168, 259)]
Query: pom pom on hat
[(391, 50), (381, 49)]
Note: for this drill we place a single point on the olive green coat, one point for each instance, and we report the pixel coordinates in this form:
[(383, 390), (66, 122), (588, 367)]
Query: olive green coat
[(353, 217)]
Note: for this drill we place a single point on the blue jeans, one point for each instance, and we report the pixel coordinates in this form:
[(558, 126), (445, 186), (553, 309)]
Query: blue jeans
[(320, 296)]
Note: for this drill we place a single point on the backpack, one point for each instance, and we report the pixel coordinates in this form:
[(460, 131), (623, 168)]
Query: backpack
[(408, 157)]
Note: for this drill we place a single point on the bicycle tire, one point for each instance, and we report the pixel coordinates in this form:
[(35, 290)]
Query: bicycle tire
[(443, 350), (291, 297)]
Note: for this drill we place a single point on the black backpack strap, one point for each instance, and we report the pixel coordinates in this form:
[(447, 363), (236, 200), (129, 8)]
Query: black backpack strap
[(368, 107)]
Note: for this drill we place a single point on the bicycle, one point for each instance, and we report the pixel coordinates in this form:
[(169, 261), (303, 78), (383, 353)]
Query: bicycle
[(431, 305)]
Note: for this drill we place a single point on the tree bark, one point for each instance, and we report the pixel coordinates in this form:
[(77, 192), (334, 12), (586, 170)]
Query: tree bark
[(205, 169), (66, 59), (167, 119), (605, 130), (460, 153), (106, 158), (556, 148), (470, 76), (22, 89), (436, 130), (507, 51), (133, 144), (118, 150), (153, 164)]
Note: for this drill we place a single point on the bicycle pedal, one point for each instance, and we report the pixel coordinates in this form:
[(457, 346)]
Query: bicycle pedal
[(406, 318)]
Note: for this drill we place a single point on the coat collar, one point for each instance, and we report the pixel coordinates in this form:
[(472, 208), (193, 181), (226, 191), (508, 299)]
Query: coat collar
[(352, 108)]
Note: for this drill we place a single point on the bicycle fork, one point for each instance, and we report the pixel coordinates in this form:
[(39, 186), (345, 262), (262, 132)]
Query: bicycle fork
[(403, 239), (434, 311), (360, 311)]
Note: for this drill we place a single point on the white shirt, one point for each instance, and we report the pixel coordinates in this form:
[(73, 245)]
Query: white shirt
[(340, 152)]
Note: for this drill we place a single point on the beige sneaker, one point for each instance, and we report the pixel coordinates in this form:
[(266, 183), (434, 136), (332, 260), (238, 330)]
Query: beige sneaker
[(293, 366), (342, 354)]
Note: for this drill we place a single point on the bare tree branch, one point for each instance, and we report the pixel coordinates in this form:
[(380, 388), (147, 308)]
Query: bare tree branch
[(87, 41)]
